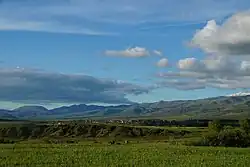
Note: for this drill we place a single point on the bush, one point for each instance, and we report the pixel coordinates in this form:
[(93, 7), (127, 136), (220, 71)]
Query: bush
[(228, 127), (233, 138), (6, 141), (71, 141), (210, 139), (215, 126), (226, 137), (245, 125), (112, 142)]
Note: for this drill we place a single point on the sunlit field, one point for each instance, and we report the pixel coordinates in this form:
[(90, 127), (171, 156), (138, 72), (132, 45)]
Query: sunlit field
[(131, 154)]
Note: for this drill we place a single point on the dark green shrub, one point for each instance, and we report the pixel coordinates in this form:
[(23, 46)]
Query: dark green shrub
[(215, 126), (12, 132), (112, 142), (233, 138), (245, 125), (226, 138), (228, 127), (24, 132), (210, 139), (6, 141), (71, 141)]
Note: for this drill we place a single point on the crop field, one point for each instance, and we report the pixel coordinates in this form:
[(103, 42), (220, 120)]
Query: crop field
[(122, 155), (110, 145)]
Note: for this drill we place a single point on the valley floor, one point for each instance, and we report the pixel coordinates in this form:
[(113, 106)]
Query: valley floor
[(88, 154)]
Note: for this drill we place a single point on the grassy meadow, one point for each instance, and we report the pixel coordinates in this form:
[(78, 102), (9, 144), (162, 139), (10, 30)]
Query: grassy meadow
[(93, 145), (123, 155)]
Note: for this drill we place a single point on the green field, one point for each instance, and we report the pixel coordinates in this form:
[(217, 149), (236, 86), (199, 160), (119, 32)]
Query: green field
[(112, 145), (124, 155)]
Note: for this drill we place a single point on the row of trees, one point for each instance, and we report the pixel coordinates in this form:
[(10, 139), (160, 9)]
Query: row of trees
[(217, 126)]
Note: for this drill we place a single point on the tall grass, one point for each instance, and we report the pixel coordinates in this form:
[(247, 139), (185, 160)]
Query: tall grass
[(125, 155)]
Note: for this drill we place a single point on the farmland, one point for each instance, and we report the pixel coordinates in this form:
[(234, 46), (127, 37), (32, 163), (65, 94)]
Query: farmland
[(101, 145), (132, 154)]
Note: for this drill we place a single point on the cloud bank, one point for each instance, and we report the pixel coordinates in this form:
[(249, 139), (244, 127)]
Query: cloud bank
[(27, 86), (230, 38), (227, 61)]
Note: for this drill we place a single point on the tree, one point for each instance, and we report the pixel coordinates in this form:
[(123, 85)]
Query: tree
[(215, 126), (245, 125)]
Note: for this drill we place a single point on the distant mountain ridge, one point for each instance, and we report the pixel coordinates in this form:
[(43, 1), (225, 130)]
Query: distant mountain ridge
[(240, 94), (223, 107), (6, 114)]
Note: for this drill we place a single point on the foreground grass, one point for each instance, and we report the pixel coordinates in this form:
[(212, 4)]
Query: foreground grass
[(136, 155)]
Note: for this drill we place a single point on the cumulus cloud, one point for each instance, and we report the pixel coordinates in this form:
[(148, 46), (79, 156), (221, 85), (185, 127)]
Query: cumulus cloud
[(226, 63), (230, 38), (216, 71), (215, 65), (130, 52), (189, 64), (27, 86), (163, 62)]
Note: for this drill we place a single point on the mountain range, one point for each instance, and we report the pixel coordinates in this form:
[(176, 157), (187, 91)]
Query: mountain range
[(230, 107)]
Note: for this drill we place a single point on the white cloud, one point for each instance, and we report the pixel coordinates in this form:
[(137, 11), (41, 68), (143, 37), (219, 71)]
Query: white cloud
[(217, 71), (230, 38), (211, 64), (226, 64), (157, 52), (163, 62), (189, 63), (130, 52)]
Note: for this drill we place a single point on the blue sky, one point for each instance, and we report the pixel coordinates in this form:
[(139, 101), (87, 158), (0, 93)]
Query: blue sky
[(51, 46)]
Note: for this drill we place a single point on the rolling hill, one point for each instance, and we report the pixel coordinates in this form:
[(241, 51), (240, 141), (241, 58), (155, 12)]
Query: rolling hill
[(220, 107)]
